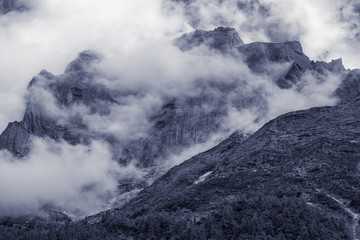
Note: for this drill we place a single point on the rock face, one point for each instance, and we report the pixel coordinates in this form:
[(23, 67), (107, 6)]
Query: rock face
[(259, 55), (15, 138), (178, 127), (350, 86), (67, 89), (220, 38), (333, 66)]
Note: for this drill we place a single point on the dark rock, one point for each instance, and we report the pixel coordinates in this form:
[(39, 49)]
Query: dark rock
[(75, 86), (83, 62), (350, 86), (220, 38), (335, 66), (258, 56), (180, 131), (15, 139)]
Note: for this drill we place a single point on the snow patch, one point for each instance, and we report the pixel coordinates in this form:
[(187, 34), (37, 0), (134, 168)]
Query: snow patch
[(202, 177)]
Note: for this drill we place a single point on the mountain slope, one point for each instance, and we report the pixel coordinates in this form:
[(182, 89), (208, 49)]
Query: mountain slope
[(310, 146), (292, 168), (295, 178)]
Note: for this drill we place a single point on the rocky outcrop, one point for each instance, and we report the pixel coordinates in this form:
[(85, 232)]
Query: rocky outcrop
[(75, 86), (350, 86), (258, 56), (222, 39), (335, 66), (178, 127), (15, 139)]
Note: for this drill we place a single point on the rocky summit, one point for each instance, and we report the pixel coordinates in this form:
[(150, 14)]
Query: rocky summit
[(221, 39), (297, 177)]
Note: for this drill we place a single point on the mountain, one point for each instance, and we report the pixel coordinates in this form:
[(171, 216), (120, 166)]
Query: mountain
[(220, 38), (297, 177), (180, 122), (298, 174), (294, 178), (67, 89), (62, 107)]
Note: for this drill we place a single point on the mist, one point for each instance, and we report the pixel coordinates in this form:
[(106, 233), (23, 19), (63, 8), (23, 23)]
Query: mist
[(327, 29), (78, 179), (135, 40)]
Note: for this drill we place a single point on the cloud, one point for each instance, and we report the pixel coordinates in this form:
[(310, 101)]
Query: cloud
[(135, 39), (327, 29), (52, 33), (79, 179)]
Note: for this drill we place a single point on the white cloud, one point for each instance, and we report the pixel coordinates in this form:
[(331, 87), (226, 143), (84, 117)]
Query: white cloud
[(79, 179), (327, 29), (53, 32)]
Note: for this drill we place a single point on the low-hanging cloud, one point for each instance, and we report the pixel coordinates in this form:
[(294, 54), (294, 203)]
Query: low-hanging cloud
[(327, 29), (52, 33), (132, 35), (80, 180)]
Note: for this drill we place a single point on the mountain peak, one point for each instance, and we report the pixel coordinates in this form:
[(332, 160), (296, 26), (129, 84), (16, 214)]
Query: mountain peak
[(221, 38), (83, 61), (296, 46)]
